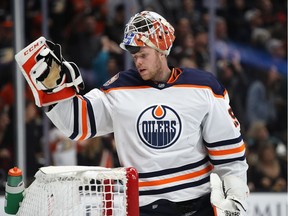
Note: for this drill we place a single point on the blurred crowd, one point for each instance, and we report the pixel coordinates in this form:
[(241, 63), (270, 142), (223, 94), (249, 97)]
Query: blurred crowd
[(251, 62)]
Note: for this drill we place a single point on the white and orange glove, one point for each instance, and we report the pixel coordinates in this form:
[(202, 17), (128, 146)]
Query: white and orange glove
[(228, 196), (50, 77)]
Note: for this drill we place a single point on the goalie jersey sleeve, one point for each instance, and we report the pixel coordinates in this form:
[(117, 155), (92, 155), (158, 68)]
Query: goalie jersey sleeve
[(175, 133), (83, 117)]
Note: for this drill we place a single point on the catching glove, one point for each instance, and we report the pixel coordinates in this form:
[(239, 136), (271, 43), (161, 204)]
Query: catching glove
[(228, 196), (50, 77)]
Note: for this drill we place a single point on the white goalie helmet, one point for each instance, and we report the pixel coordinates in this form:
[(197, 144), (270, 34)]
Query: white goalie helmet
[(148, 28)]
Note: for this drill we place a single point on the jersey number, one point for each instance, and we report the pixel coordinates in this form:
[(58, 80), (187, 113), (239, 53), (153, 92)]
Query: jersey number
[(235, 121)]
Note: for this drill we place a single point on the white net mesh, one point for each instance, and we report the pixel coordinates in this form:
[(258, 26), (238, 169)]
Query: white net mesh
[(95, 192)]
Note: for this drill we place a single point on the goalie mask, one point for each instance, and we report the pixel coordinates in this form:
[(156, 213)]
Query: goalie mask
[(148, 29)]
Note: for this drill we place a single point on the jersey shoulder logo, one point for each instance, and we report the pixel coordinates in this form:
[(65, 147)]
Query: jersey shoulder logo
[(159, 126), (113, 79)]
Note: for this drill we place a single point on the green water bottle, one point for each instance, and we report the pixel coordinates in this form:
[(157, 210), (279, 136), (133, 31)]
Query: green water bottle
[(13, 191)]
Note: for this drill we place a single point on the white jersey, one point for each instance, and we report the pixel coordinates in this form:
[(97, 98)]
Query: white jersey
[(175, 134)]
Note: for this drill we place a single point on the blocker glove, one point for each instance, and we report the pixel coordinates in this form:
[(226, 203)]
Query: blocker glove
[(50, 77), (228, 196)]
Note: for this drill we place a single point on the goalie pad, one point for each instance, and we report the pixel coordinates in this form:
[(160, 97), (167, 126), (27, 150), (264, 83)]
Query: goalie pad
[(228, 196), (50, 77)]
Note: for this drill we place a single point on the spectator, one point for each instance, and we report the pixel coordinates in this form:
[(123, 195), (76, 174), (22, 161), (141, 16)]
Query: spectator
[(258, 134), (185, 48), (223, 47), (113, 30), (201, 49), (83, 39), (189, 11), (115, 27), (237, 25), (6, 34), (261, 104), (97, 151), (233, 77), (187, 62), (60, 14), (112, 66), (183, 28), (276, 50), (268, 13), (100, 62), (63, 150), (6, 51), (258, 34), (33, 139), (33, 16), (6, 147), (269, 174)]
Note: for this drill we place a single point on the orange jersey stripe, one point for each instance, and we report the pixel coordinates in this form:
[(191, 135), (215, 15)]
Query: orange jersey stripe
[(199, 86), (227, 151), (84, 120), (174, 75), (215, 210), (177, 178), (125, 88), (177, 86)]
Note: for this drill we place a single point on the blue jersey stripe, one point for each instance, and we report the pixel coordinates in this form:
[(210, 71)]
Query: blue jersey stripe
[(76, 119), (223, 143), (91, 118), (175, 188), (225, 161), (173, 170)]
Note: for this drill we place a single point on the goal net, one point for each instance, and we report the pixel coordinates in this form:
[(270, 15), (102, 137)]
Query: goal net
[(82, 190)]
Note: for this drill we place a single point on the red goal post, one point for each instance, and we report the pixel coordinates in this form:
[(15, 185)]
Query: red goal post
[(82, 190)]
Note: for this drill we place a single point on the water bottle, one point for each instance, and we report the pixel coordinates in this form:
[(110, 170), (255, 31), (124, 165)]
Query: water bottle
[(14, 191)]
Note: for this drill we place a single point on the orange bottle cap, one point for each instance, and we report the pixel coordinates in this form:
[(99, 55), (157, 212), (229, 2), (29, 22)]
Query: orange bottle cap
[(15, 171)]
